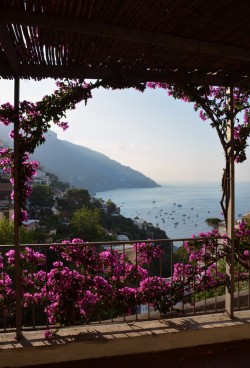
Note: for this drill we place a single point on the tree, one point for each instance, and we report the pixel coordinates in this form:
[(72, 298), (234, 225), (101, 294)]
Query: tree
[(111, 207), (181, 255), (41, 196), (41, 201), (77, 199), (7, 233), (86, 224), (213, 221)]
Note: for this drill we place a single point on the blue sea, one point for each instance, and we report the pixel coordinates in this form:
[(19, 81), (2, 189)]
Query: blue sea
[(179, 209)]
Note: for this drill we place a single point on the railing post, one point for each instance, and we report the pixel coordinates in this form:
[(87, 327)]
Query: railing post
[(229, 300), (16, 213)]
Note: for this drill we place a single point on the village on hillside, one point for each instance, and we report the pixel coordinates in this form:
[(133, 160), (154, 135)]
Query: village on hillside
[(57, 211)]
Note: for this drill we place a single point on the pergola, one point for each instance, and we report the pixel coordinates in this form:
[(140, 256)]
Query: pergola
[(202, 42)]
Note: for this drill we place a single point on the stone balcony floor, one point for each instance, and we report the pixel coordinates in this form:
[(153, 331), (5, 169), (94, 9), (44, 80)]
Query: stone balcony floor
[(123, 341), (223, 355)]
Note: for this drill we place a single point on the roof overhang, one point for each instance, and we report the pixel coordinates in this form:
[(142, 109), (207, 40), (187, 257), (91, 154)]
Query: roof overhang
[(164, 41)]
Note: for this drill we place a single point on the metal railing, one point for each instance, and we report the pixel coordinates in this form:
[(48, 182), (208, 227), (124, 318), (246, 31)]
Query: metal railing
[(69, 284)]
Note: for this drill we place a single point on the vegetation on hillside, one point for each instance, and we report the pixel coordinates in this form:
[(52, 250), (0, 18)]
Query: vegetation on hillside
[(64, 212)]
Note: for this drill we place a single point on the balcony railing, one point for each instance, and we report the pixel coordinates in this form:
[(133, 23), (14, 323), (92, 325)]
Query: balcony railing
[(78, 283)]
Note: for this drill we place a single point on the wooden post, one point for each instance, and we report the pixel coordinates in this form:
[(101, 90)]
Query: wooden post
[(229, 301), (16, 213)]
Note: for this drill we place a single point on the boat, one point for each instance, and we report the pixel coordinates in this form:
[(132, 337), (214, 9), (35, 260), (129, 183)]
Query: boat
[(179, 205), (153, 201)]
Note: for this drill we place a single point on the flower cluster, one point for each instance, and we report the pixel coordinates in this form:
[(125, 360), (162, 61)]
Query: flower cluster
[(77, 282), (146, 252)]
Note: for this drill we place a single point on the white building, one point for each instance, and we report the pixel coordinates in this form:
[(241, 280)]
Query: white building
[(41, 177)]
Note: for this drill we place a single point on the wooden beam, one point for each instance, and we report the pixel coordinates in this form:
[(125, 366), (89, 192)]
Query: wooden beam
[(123, 33), (77, 71), (9, 49), (27, 71)]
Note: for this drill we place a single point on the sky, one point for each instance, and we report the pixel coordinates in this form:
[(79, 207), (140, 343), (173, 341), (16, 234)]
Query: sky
[(151, 132)]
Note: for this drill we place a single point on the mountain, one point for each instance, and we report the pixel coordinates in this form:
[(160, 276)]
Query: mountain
[(82, 167)]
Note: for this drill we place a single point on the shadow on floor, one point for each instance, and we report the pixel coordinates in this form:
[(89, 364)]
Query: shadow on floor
[(228, 355)]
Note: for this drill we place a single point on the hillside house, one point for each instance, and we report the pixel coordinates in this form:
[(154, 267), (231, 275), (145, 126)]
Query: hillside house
[(31, 224), (41, 178), (5, 192), (6, 213)]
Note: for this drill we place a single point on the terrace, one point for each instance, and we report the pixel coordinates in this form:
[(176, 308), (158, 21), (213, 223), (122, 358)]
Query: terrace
[(202, 43)]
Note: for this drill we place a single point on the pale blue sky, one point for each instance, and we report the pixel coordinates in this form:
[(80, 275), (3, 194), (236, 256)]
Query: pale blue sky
[(150, 132)]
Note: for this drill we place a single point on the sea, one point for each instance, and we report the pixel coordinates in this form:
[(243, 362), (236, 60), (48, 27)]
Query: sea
[(180, 209)]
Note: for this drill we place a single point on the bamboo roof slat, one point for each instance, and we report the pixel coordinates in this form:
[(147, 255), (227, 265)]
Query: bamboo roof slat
[(117, 36)]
